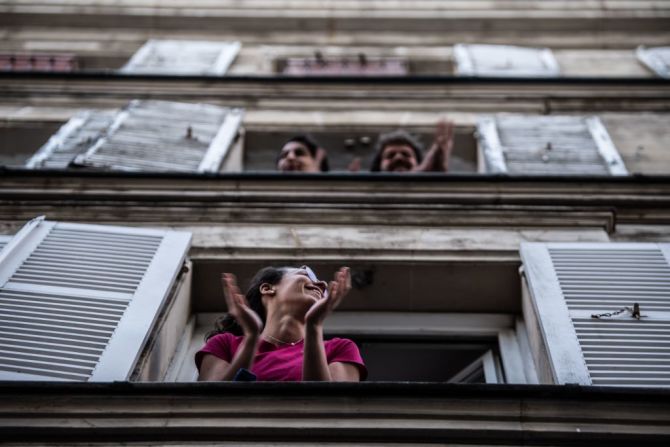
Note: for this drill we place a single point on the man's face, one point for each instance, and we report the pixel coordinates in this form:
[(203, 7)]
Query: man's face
[(295, 157), (398, 158)]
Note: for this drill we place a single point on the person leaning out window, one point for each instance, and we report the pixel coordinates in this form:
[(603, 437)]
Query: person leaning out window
[(302, 153), (275, 332)]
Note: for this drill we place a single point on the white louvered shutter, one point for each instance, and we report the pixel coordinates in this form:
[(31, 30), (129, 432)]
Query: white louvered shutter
[(569, 283), (657, 59), (546, 145), (77, 302), (182, 57), (73, 138), (504, 60), (166, 136)]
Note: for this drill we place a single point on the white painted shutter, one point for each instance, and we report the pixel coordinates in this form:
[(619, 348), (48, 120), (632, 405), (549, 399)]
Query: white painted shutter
[(569, 283), (182, 57), (657, 59), (547, 145), (77, 302), (165, 136), (504, 60), (73, 138)]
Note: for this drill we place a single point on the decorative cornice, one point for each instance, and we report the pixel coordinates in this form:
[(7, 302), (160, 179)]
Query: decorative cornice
[(337, 412)]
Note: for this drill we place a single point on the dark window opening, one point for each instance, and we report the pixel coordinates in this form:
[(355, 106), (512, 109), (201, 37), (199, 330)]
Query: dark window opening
[(467, 361), (343, 145), (20, 141), (354, 65)]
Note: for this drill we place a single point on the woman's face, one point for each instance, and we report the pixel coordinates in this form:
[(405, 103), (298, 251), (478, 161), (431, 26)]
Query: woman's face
[(295, 157), (300, 286)]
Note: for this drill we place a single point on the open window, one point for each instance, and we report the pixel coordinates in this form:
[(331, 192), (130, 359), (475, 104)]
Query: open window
[(182, 57), (357, 61), (39, 62), (20, 140), (504, 60), (78, 302), (599, 313), (546, 145), (359, 65), (431, 361), (261, 147), (147, 136), (406, 327)]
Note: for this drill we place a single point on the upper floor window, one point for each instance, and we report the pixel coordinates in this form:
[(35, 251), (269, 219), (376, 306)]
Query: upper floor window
[(359, 65), (144, 136), (504, 60), (44, 62)]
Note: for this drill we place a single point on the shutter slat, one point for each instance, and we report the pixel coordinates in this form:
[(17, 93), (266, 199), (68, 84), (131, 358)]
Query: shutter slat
[(31, 333), (38, 370), (47, 343), (62, 358), (86, 269)]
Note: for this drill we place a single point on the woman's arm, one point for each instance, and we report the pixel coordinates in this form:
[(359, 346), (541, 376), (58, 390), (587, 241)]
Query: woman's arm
[(344, 372), (214, 368), (315, 364)]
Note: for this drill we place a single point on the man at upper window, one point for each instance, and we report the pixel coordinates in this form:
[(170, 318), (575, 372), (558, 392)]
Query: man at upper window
[(398, 151), (302, 154)]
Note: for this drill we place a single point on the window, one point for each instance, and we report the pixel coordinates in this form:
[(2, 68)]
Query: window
[(147, 136), (437, 347), (46, 62), (396, 310), (261, 147), (547, 145), (504, 60), (600, 313), (20, 139), (656, 59), (182, 57), (78, 302), (360, 65), (357, 61)]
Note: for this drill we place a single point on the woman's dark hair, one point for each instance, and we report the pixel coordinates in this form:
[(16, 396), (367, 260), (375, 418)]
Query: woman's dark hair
[(395, 137), (311, 145), (227, 323)]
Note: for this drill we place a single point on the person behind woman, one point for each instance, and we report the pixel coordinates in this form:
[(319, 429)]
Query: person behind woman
[(301, 153), (399, 151), (276, 331)]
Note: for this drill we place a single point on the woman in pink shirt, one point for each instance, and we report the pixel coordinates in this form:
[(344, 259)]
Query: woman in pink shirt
[(276, 331)]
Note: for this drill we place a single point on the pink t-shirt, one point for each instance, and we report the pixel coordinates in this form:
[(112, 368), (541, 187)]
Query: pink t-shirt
[(280, 364)]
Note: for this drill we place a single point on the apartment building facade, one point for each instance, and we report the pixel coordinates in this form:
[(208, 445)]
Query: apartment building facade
[(519, 299)]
